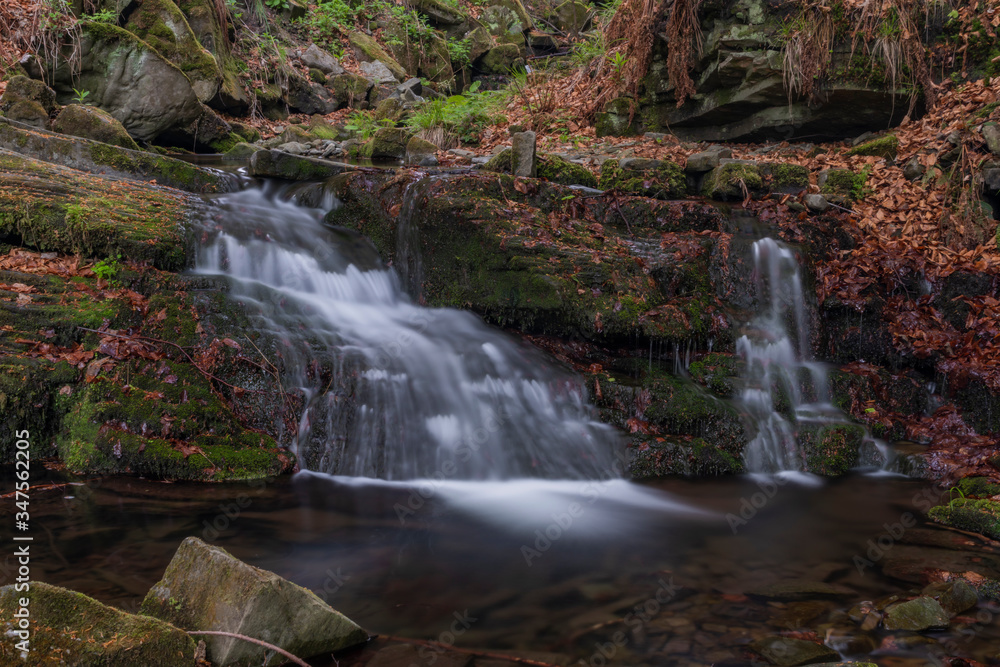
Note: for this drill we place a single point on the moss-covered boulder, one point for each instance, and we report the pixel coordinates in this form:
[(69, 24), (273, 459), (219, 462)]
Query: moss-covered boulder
[(21, 87), (785, 178), (884, 147), (132, 81), (972, 514), (241, 151), (617, 119), (388, 143), (660, 179), (732, 181), (830, 449), (418, 150), (206, 588), (27, 112), (277, 164), (96, 157), (92, 123), (350, 89), (842, 182), (657, 456), (499, 60), (550, 167), (922, 613), (71, 628), (162, 25), (368, 49)]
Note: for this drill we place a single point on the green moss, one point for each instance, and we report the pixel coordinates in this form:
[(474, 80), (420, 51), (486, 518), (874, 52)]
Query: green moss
[(666, 181), (651, 457), (716, 372), (226, 144), (732, 181), (175, 40), (845, 183), (885, 147), (558, 170), (830, 449), (791, 177), (977, 516)]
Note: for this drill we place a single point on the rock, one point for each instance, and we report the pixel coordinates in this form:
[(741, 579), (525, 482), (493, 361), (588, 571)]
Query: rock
[(92, 123), (441, 15), (830, 449), (99, 158), (884, 147), (294, 11), (499, 59), (149, 95), (241, 151), (644, 178), (785, 178), (800, 590), (523, 154), (550, 167), (922, 613), (411, 85), (21, 87), (162, 25), (417, 150), (816, 203), (953, 596), (32, 68), (697, 457), (315, 57), (913, 169), (387, 143), (541, 43), (707, 160), (841, 182), (991, 135), (573, 17), (733, 180), (350, 89), (276, 164), (368, 50), (293, 148), (991, 180), (515, 6), (975, 515), (304, 96), (785, 651), (616, 119), (66, 623), (205, 588), (27, 112), (377, 73)]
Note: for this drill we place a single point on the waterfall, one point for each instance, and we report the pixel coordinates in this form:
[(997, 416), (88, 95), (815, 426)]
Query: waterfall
[(413, 392), (784, 387)]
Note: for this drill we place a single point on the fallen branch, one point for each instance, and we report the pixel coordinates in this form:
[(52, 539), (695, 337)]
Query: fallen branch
[(270, 647), (467, 651)]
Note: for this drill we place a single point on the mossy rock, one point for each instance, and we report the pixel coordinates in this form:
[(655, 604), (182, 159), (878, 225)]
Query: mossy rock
[(21, 87), (388, 143), (499, 59), (351, 90), (978, 487), (248, 133), (975, 515), (162, 25), (92, 123), (390, 109), (665, 180), (842, 182), (718, 373), (550, 167), (830, 449), (27, 112), (370, 49), (28, 390), (616, 119), (885, 147), (417, 149), (732, 181), (786, 178), (681, 407), (277, 164), (87, 633), (652, 456), (241, 151), (226, 144)]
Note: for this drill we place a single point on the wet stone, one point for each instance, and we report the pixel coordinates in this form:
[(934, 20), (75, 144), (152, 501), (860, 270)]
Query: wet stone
[(800, 590), (785, 651), (922, 613), (953, 596)]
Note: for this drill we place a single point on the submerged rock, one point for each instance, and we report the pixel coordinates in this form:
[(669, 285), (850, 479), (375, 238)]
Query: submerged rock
[(206, 588), (922, 613), (277, 164), (72, 629), (786, 651)]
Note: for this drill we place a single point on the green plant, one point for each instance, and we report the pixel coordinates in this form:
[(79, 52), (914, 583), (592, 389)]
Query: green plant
[(107, 269), (859, 184), (365, 124), (277, 4), (618, 62), (80, 96), (459, 51), (105, 16), (463, 116)]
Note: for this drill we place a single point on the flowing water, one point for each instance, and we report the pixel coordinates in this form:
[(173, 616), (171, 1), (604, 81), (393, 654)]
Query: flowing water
[(416, 392), (784, 388)]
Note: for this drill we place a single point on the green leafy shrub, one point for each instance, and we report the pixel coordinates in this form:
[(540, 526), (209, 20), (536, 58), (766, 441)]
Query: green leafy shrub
[(464, 116)]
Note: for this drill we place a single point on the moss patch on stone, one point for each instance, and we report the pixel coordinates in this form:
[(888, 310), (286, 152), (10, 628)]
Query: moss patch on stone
[(830, 449), (976, 515), (732, 181), (93, 123), (885, 147), (666, 181)]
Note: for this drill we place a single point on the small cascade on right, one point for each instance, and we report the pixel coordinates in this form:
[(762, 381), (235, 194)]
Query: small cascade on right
[(785, 389)]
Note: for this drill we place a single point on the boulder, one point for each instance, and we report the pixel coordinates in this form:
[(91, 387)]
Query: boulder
[(241, 151), (884, 147), (86, 633), (991, 135), (523, 154), (785, 651), (277, 164), (377, 73), (368, 50), (732, 180), (387, 143), (419, 150), (21, 87), (573, 17), (953, 596), (92, 123), (206, 588), (129, 79), (645, 178), (350, 89), (922, 613), (550, 167), (707, 160), (499, 60), (304, 96), (315, 57), (816, 203), (162, 25), (25, 111)]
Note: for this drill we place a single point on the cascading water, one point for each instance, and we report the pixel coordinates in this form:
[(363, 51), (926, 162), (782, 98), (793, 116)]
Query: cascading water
[(413, 392), (780, 377)]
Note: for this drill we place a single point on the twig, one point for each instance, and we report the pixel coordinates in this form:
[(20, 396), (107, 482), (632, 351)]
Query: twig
[(190, 358), (270, 647), (618, 208), (478, 654)]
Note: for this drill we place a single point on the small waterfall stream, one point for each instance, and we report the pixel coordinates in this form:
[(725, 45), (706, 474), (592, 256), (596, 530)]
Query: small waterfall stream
[(415, 392), (784, 387)]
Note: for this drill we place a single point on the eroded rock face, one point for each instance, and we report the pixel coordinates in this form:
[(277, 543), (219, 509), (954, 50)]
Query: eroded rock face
[(205, 588)]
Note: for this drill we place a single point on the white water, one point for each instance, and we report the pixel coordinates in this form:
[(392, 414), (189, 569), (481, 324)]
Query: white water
[(778, 364), (412, 392)]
